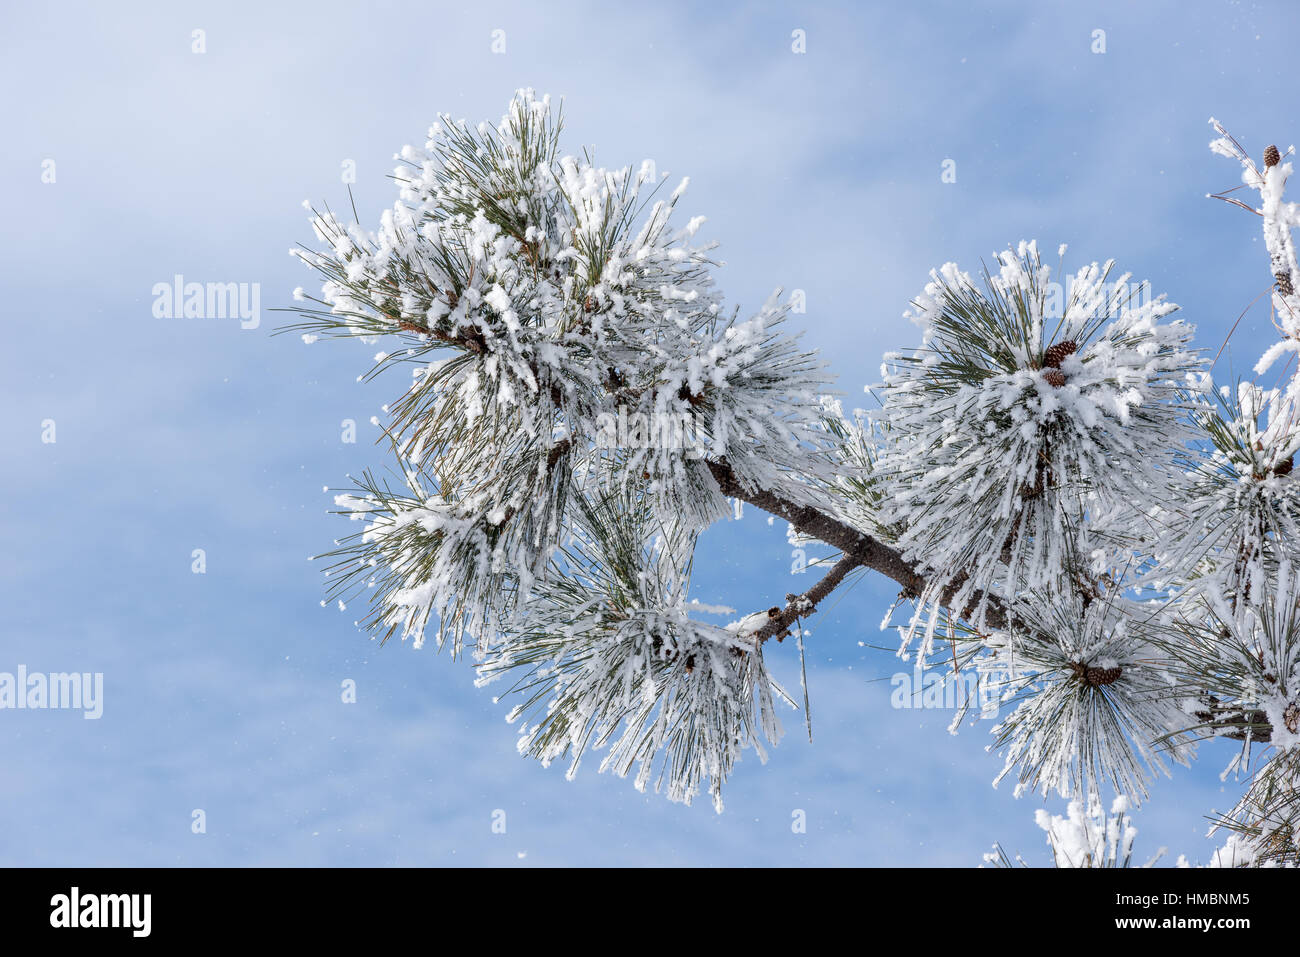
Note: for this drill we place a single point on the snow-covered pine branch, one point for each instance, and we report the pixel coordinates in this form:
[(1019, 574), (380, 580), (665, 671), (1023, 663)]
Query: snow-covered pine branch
[(608, 656), (543, 304), (1051, 478), (1085, 837), (542, 299), (1024, 419)]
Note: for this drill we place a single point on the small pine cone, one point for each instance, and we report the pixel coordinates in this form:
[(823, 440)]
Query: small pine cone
[(1093, 676), (1291, 717), (1284, 283), (1103, 676), (1056, 354), (1271, 156), (1054, 377), (1284, 467)]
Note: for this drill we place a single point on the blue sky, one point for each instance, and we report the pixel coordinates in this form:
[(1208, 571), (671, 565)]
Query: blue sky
[(818, 171)]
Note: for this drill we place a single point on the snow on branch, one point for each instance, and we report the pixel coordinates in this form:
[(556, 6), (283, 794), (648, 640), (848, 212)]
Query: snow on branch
[(1051, 477)]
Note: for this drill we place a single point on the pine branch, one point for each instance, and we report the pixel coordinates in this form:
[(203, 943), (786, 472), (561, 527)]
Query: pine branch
[(1236, 724), (858, 548), (801, 606), (533, 271)]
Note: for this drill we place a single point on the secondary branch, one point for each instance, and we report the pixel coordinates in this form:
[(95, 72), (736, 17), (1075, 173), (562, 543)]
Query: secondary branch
[(857, 547)]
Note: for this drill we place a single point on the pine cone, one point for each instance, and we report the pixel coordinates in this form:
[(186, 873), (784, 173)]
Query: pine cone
[(1093, 676), (1291, 717), (1284, 283), (1054, 377), (1271, 156), (1056, 354), (1103, 676), (1284, 467)]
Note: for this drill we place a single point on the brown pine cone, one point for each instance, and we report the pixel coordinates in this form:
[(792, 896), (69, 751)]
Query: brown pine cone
[(1056, 354), (1093, 676), (1103, 676), (1054, 377), (1284, 283), (1271, 156)]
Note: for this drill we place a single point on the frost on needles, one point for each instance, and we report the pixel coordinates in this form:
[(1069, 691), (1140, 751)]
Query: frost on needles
[(1068, 502), (541, 297)]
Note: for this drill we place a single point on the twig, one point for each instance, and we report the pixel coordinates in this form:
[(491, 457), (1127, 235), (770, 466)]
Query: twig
[(858, 548)]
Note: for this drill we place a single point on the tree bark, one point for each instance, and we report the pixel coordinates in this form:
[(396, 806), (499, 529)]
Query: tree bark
[(857, 547)]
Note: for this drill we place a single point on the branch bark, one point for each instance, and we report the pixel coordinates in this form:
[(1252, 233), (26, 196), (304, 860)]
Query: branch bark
[(858, 548), (801, 606), (865, 551), (1236, 724)]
